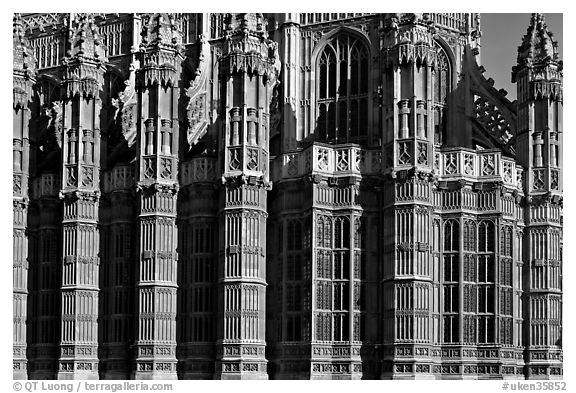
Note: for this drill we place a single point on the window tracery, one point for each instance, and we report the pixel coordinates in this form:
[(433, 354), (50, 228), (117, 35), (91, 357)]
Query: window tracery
[(342, 104), (486, 281), (293, 275), (341, 279), (493, 120), (469, 236), (451, 279), (442, 77), (340, 266)]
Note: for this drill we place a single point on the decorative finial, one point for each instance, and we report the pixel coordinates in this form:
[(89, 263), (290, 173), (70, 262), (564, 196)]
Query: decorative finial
[(538, 48), (23, 59), (161, 31)]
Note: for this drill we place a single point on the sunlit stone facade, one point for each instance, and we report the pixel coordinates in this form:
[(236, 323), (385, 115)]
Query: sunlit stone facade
[(308, 196)]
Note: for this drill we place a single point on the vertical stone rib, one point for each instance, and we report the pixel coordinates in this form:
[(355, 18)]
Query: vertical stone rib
[(24, 78)]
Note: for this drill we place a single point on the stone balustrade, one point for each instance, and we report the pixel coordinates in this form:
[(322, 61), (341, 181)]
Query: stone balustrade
[(48, 184), (200, 169), (343, 160), (120, 177), (477, 165), (346, 160)]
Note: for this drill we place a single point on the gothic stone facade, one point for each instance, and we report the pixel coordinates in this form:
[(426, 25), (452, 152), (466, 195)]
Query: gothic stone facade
[(309, 196)]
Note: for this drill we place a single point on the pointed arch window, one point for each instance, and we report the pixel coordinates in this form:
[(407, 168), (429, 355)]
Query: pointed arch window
[(341, 280), (342, 248), (451, 236), (442, 77), (506, 240), (486, 281), (451, 281), (451, 249), (324, 232), (486, 238), (342, 95)]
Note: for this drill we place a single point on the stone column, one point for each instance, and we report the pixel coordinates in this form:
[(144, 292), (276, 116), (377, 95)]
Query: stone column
[(83, 76), (247, 79), (407, 204), (538, 75), (24, 78), (157, 187)]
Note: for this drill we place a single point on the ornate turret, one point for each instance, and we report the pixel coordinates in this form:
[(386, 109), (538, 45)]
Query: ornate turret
[(160, 51), (85, 57), (329, 195), (411, 61), (82, 80), (247, 48), (23, 77), (24, 64), (246, 24), (538, 76), (538, 46), (248, 70), (160, 58)]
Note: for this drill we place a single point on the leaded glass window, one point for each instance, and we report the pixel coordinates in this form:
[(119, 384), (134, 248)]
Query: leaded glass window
[(342, 105), (442, 75)]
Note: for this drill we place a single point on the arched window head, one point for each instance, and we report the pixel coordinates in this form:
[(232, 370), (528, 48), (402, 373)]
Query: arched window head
[(506, 240), (469, 236), (342, 233), (342, 105), (442, 78), (451, 235), (324, 232), (486, 236)]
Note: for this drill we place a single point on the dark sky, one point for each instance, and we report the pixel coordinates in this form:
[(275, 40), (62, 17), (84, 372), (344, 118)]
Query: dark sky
[(501, 36)]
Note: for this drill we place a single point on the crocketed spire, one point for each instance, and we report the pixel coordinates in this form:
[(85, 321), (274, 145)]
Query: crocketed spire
[(161, 50), (247, 47), (160, 31), (84, 40), (247, 23), (85, 57), (24, 65), (538, 44), (23, 58)]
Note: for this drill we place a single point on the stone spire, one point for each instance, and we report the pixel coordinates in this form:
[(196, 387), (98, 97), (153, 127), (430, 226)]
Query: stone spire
[(24, 63), (247, 47), (253, 24), (160, 31), (538, 46), (85, 57), (84, 41), (161, 51)]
